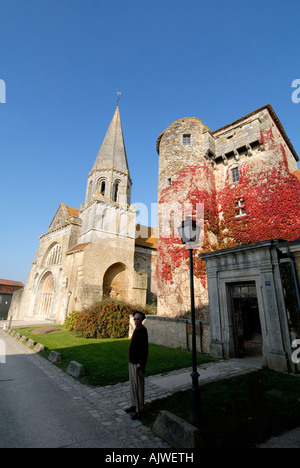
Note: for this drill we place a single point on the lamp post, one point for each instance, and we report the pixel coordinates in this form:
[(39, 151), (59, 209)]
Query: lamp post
[(67, 308), (189, 232)]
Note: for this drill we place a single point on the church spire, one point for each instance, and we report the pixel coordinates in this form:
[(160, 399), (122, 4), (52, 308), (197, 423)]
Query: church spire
[(110, 177), (112, 153)]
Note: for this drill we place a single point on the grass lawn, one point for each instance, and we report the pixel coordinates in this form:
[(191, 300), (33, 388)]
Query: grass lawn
[(106, 361), (241, 411)]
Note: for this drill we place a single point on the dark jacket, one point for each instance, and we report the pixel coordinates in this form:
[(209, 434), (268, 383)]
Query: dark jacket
[(138, 348)]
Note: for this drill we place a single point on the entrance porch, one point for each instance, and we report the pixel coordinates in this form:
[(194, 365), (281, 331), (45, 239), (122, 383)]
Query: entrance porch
[(248, 304)]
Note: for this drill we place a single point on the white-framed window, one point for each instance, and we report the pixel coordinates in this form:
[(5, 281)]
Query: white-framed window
[(235, 175), (186, 139), (240, 208)]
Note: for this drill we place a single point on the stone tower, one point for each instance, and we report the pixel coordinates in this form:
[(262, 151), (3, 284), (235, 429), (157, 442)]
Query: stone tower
[(110, 177), (243, 174), (108, 191)]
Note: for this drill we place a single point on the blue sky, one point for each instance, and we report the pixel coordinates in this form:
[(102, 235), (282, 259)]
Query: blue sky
[(63, 62)]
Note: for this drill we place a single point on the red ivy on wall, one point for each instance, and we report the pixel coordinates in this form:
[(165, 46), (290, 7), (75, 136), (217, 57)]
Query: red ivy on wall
[(271, 196), (272, 202), (188, 188)]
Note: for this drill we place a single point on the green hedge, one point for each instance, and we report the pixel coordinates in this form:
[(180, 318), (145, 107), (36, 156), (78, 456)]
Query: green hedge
[(106, 319)]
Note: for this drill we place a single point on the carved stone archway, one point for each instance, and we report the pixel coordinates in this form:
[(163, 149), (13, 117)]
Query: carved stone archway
[(45, 295)]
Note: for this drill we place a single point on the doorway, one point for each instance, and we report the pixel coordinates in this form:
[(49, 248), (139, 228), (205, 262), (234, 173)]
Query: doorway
[(246, 320), (5, 301), (45, 296)]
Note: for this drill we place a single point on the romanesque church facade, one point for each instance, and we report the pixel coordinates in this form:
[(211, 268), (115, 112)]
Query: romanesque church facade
[(95, 250)]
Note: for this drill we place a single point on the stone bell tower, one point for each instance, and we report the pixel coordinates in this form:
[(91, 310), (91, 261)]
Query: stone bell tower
[(109, 177), (108, 195)]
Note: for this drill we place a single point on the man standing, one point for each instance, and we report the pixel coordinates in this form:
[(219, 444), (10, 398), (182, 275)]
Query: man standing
[(137, 357)]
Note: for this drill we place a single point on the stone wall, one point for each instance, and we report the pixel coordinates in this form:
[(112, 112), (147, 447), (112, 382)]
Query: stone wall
[(176, 333)]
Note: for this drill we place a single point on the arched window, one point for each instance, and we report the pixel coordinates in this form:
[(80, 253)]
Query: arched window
[(54, 257), (115, 192), (101, 186)]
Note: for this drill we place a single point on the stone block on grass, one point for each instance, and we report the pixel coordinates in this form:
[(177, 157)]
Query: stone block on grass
[(54, 356), (30, 343), (39, 347), (75, 369), (175, 431)]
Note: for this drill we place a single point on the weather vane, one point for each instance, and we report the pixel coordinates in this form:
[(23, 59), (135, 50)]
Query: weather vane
[(118, 99)]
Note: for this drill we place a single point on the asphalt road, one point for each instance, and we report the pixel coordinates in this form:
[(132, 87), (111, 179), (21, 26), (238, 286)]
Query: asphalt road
[(36, 413)]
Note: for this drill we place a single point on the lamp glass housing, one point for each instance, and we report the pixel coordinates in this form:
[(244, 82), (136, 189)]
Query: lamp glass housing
[(189, 231)]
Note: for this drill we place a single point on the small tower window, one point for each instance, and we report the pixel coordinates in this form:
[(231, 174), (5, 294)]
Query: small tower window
[(186, 139), (101, 186), (115, 192)]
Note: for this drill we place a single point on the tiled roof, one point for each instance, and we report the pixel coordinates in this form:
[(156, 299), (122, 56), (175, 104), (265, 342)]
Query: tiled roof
[(77, 248), (73, 211), (18, 284), (297, 174)]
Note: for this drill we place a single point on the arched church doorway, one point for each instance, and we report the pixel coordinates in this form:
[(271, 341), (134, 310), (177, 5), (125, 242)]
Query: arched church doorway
[(115, 282), (45, 295), (246, 320)]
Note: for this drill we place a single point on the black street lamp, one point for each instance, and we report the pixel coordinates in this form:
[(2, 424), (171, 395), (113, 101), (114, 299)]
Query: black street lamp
[(189, 232), (67, 308)]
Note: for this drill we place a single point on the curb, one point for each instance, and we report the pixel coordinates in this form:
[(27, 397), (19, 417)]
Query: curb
[(75, 369), (38, 347)]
